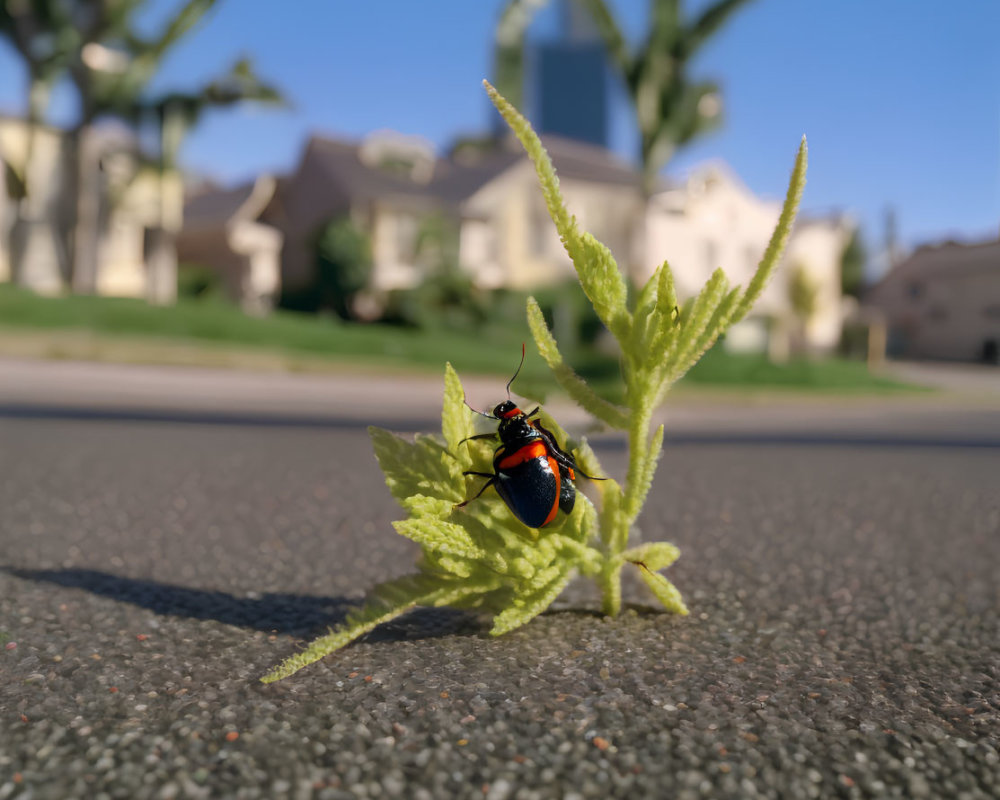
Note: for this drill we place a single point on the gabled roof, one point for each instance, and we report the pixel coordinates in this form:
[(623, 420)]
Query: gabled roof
[(587, 162), (453, 181), (213, 206), (944, 261), (342, 163)]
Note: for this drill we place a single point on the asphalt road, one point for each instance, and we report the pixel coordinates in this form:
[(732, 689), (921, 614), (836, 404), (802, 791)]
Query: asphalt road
[(844, 639)]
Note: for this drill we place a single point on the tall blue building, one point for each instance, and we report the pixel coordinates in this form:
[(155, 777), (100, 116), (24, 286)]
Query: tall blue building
[(570, 87)]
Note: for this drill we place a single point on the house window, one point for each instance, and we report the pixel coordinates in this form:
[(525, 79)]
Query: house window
[(914, 290), (406, 238)]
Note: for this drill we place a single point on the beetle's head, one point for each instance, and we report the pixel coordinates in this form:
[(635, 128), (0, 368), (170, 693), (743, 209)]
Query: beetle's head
[(507, 410)]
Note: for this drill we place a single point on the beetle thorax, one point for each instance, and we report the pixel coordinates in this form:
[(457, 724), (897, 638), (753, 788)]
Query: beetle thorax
[(506, 410)]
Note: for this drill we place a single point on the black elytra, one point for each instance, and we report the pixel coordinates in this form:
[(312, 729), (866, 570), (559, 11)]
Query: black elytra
[(532, 474)]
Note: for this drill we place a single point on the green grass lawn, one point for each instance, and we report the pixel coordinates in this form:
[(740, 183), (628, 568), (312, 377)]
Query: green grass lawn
[(311, 342)]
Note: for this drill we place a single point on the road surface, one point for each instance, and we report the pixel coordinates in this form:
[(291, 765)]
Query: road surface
[(840, 565)]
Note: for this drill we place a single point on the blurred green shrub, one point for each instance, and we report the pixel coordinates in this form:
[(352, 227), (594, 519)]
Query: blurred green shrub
[(198, 282), (342, 267)]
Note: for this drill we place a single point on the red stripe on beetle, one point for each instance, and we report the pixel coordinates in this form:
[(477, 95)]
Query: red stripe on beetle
[(529, 452), (554, 466)]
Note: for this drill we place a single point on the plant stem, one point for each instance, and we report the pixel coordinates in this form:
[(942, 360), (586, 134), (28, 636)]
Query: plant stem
[(628, 508), (638, 447)]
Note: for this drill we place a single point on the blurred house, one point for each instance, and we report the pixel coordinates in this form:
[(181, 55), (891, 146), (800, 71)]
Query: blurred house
[(32, 247), (507, 236), (381, 185), (943, 302), (711, 220), (390, 186), (135, 204), (223, 232)]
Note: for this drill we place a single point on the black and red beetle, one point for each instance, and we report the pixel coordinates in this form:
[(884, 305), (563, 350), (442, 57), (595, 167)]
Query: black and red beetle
[(532, 474)]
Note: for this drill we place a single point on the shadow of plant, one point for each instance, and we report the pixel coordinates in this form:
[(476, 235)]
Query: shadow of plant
[(291, 614)]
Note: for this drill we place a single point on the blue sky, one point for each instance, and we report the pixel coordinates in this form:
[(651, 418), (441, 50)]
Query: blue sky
[(900, 99)]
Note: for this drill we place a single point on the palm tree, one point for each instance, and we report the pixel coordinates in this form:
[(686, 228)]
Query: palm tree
[(28, 26), (111, 68), (671, 109), (508, 49), (172, 116)]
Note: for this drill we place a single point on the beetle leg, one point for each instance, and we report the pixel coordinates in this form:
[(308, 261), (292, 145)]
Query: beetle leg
[(568, 461), (487, 485), (478, 436)]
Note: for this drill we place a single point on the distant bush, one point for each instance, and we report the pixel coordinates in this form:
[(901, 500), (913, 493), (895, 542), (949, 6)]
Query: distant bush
[(342, 266), (570, 314), (198, 282)]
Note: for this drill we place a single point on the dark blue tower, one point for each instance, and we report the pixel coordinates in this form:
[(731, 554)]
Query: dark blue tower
[(572, 82)]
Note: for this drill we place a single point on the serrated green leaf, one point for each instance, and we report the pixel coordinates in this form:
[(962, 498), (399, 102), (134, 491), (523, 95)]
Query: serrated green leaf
[(574, 385), (776, 246), (664, 590), (645, 478), (581, 526), (420, 467), (604, 284), (456, 422), (391, 600), (587, 460), (655, 555), (459, 567), (704, 306), (666, 294), (586, 559), (614, 524), (721, 319), (655, 315), (527, 606), (420, 505), (599, 275), (440, 536)]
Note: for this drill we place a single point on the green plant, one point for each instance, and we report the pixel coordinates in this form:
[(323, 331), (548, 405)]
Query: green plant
[(197, 282), (343, 265), (481, 556)]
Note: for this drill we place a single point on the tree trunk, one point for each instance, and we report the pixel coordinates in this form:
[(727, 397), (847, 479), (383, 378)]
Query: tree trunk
[(35, 256), (160, 255), (86, 221)]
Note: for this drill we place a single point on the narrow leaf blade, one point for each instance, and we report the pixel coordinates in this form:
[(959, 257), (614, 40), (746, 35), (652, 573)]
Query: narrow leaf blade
[(664, 590), (574, 385), (776, 245)]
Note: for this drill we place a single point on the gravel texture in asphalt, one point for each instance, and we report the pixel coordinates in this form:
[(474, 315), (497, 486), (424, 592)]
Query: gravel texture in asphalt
[(844, 639)]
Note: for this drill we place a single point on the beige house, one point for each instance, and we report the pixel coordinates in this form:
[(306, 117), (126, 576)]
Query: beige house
[(711, 219), (943, 302), (36, 243), (507, 236), (381, 184), (222, 230), (134, 205), (391, 185)]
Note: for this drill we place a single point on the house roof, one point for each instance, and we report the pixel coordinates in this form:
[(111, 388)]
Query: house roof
[(342, 163), (945, 261), (213, 206), (452, 181)]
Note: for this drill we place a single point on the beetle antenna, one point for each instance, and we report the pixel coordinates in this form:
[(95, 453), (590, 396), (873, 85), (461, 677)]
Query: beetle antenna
[(516, 371), (481, 413)]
